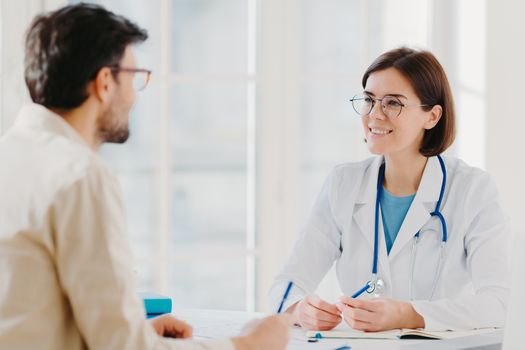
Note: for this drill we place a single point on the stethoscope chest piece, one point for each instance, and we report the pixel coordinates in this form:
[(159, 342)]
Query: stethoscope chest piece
[(376, 287)]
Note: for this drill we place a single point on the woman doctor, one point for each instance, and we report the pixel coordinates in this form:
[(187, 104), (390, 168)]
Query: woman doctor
[(421, 236)]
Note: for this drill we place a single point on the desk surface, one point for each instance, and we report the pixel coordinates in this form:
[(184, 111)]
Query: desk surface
[(209, 324)]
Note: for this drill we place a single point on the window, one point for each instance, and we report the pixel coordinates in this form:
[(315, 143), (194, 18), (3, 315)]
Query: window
[(246, 115), (187, 172), (470, 82)]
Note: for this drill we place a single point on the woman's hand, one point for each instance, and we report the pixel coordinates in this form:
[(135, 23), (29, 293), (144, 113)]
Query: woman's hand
[(313, 313), (379, 314), (168, 326)]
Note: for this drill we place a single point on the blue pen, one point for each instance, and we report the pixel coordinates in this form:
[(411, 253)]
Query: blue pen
[(360, 291), (318, 336), (285, 296)]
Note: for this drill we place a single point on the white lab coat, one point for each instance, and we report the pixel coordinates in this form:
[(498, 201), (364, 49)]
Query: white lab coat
[(473, 286)]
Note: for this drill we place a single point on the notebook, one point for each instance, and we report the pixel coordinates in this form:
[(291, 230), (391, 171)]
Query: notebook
[(156, 304), (395, 334)]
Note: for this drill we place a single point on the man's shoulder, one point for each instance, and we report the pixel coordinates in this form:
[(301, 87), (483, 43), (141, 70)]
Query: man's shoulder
[(48, 162), (72, 162), (38, 169)]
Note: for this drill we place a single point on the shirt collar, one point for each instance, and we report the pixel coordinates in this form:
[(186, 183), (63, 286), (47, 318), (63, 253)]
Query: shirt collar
[(37, 116), (429, 186)]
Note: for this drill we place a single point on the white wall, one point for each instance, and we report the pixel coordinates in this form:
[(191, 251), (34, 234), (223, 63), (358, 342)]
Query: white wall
[(505, 112), (505, 127)]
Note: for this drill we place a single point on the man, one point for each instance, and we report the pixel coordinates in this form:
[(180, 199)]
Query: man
[(66, 282)]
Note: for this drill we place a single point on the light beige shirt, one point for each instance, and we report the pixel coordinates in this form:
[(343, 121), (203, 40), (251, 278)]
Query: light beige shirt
[(65, 275)]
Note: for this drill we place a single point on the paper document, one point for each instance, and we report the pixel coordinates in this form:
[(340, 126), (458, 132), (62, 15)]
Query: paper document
[(395, 334), (212, 324)]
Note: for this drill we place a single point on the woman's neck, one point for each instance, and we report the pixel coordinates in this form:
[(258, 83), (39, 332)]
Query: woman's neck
[(403, 173)]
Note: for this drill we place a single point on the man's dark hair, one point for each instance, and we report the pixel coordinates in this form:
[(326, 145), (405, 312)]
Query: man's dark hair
[(65, 49)]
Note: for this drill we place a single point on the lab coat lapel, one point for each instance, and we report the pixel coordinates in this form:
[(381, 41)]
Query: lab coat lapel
[(364, 215), (364, 208), (423, 204)]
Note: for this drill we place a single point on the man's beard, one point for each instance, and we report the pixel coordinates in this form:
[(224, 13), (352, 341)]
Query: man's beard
[(110, 130)]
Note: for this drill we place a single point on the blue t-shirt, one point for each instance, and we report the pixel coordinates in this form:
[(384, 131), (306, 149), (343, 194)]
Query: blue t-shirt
[(393, 211)]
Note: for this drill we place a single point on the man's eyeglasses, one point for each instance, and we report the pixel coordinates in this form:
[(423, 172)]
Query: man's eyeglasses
[(390, 105), (141, 77)]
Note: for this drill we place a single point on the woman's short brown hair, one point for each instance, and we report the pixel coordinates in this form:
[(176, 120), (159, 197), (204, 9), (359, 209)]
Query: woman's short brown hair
[(429, 81)]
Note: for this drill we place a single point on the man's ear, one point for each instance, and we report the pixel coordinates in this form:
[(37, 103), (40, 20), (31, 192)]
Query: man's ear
[(435, 115), (103, 85)]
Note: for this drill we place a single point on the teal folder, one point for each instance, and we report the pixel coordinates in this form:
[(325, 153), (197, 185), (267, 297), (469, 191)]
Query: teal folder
[(156, 304)]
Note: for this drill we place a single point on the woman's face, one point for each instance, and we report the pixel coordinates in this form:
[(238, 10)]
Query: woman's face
[(401, 134)]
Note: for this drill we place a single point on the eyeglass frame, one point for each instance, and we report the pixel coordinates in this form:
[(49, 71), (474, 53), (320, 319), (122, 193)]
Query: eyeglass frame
[(117, 69), (374, 100)]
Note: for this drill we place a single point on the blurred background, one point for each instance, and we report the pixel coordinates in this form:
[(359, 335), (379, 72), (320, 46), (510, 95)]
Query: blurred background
[(249, 110)]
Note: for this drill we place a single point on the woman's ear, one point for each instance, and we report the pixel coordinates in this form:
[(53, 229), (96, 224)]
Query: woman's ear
[(434, 117)]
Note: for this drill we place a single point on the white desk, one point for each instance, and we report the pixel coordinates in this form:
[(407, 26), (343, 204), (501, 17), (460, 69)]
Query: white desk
[(222, 324)]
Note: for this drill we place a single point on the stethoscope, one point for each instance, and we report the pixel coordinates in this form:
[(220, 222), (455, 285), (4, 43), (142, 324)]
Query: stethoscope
[(377, 285)]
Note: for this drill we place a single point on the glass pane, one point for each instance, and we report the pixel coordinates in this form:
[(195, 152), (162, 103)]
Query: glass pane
[(209, 36), (331, 134), (332, 37), (331, 130), (209, 126), (209, 165), (141, 210), (471, 44), (209, 283), (470, 144), (406, 22), (209, 210), (375, 45), (470, 91)]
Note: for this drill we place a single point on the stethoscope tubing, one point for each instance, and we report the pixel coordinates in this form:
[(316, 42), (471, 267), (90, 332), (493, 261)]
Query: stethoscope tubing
[(371, 285)]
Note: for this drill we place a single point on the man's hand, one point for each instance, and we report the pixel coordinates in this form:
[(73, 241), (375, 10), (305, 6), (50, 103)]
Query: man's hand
[(168, 326), (269, 333)]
